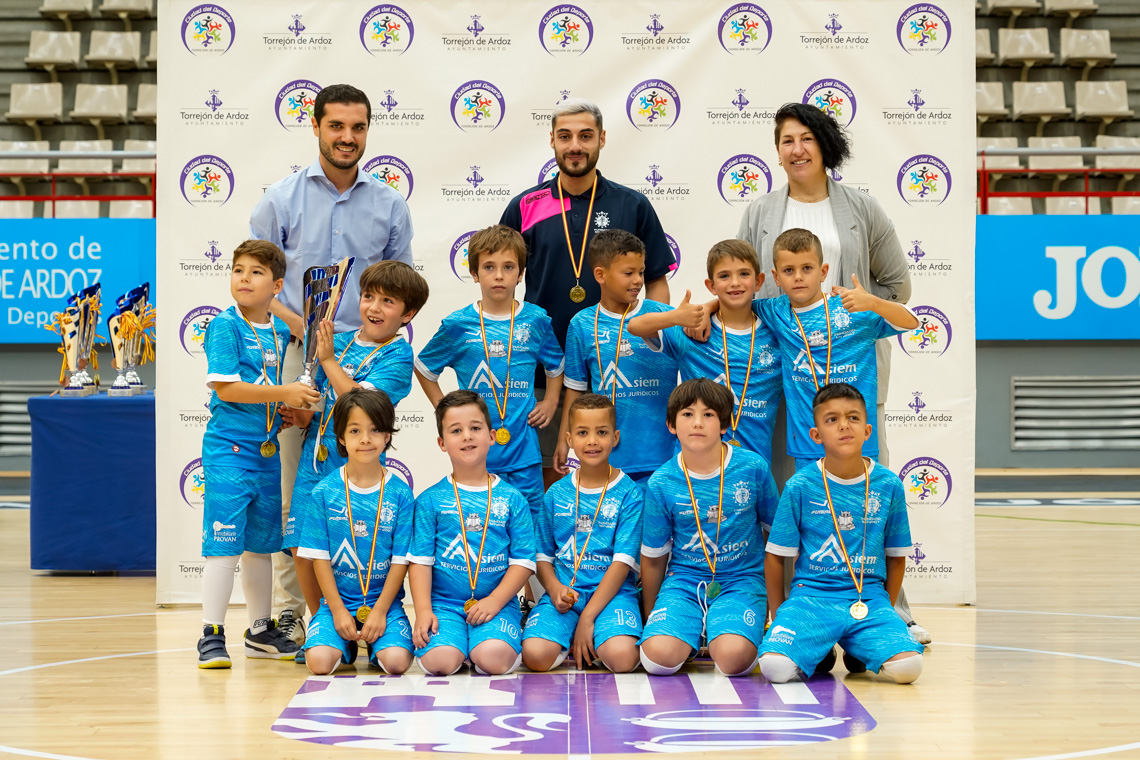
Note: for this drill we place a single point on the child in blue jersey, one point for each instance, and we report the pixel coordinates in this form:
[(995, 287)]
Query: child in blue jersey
[(589, 535), (497, 342), (823, 339), (705, 514), (844, 519), (245, 347), (602, 355), (357, 535), (472, 551), (375, 356), (752, 368)]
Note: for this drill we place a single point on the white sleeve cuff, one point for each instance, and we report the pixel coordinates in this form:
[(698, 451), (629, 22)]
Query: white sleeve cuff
[(211, 379), (522, 563), (423, 370), (898, 551), (782, 551), (400, 560), (656, 343), (650, 551), (574, 385), (413, 559), (631, 561), (368, 385), (545, 558), (897, 327), (560, 369), (306, 553)]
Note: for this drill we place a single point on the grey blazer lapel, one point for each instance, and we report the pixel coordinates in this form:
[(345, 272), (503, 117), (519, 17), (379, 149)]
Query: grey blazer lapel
[(851, 248)]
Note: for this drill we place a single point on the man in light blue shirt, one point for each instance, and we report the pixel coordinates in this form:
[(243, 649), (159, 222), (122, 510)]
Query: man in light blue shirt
[(319, 216)]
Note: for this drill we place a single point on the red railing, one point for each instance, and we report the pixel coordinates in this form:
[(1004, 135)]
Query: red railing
[(56, 176), (985, 174)]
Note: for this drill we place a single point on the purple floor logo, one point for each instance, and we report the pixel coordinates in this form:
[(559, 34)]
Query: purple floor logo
[(570, 714), (478, 105), (548, 171), (743, 178), (676, 250), (924, 179), (386, 29), (393, 172), (208, 30), (744, 28), (295, 102), (192, 484), (459, 257), (931, 337), (923, 28), (834, 98), (402, 470), (192, 332), (653, 104), (207, 181), (927, 482), (566, 29)]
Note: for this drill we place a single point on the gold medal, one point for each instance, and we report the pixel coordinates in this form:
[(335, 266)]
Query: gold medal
[(573, 595), (577, 294), (859, 610), (807, 346), (734, 419), (322, 452), (268, 449), (469, 604), (502, 436), (362, 613), (712, 591), (734, 442), (472, 579)]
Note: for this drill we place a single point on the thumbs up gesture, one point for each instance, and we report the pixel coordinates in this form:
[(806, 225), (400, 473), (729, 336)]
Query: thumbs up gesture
[(689, 315), (855, 299)]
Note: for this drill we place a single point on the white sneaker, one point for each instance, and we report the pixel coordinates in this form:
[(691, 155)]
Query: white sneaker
[(292, 626), (918, 633)]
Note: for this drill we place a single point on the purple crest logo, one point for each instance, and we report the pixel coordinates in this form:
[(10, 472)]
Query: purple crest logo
[(192, 484), (459, 257), (295, 102), (576, 714), (392, 172), (213, 253), (400, 469), (386, 29), (744, 28), (478, 105), (924, 179), (566, 29), (931, 337), (676, 249), (653, 104), (192, 331), (927, 482), (207, 181), (915, 251), (923, 28), (834, 98), (548, 171), (208, 30), (742, 178)]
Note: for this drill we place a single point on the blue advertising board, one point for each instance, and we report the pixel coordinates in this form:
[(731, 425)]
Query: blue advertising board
[(43, 261), (1057, 277)]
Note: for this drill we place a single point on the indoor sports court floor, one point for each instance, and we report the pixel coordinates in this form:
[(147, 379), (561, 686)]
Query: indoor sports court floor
[(1046, 666)]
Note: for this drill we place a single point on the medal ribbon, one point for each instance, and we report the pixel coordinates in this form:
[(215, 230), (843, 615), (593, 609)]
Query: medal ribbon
[(577, 263), (472, 580), (839, 534), (807, 346), (270, 407), (325, 419), (487, 353), (617, 350), (697, 513), (735, 419), (574, 534), (364, 584)]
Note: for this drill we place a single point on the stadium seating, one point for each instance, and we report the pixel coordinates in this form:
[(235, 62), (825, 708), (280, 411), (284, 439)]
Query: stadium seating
[(1049, 163), (1043, 101), (1070, 9), (17, 209), (1126, 205), (72, 210), (990, 102), (1119, 162), (100, 104), (1087, 48), (1103, 101), (82, 165), (983, 53), (127, 9), (152, 56), (53, 51), (1074, 205), (26, 165), (115, 50), (1010, 206), (129, 210), (1012, 8), (146, 108), (35, 104), (1024, 47), (65, 10)]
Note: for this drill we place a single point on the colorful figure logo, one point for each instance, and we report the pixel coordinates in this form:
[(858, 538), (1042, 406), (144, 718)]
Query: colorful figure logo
[(923, 28), (743, 178), (653, 104), (477, 105), (192, 332), (208, 30), (459, 257), (393, 172), (207, 181), (744, 28), (295, 102), (924, 179), (834, 98), (931, 337), (927, 482), (386, 29), (676, 249), (566, 29), (192, 484)]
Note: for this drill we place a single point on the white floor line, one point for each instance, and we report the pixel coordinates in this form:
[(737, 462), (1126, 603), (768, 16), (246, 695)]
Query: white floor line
[(100, 617)]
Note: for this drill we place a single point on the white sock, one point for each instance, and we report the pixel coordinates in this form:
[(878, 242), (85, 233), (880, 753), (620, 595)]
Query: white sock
[(257, 585), (511, 669), (744, 672), (777, 668), (536, 588), (654, 669), (428, 672), (906, 670), (561, 658), (217, 586)]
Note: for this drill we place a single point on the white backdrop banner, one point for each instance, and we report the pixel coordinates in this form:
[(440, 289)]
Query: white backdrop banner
[(461, 100)]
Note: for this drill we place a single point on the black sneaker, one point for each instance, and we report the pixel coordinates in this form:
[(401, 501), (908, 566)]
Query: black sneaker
[(292, 626), (212, 648), (853, 664), (826, 664), (525, 606), (270, 644)]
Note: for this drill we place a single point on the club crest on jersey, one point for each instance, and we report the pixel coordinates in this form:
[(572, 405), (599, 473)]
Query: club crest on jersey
[(496, 348), (473, 522), (522, 333), (742, 493), (817, 338), (609, 509), (601, 221), (359, 529), (873, 505), (500, 507), (765, 358), (387, 515), (841, 319), (584, 524), (846, 521), (625, 349)]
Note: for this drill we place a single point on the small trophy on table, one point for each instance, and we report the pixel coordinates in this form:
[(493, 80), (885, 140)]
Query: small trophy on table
[(324, 287), (76, 327)]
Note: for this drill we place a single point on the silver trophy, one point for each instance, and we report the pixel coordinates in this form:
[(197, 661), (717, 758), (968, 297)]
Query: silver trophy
[(118, 348), (137, 301), (69, 328), (324, 287), (82, 318)]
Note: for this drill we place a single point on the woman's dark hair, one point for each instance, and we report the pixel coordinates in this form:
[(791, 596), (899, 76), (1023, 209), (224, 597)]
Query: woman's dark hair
[(833, 143), (374, 403)]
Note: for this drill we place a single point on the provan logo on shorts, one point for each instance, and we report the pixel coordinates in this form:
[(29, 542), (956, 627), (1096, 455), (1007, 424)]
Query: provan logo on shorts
[(834, 98), (924, 180), (478, 106), (653, 104), (208, 30), (386, 30), (393, 172), (744, 28), (459, 257), (923, 29), (566, 30), (931, 337), (192, 331), (192, 484), (294, 105), (743, 178), (207, 181)]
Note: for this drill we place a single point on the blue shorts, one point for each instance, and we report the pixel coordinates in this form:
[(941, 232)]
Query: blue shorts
[(806, 627), (242, 511), (455, 632), (529, 482), (322, 632), (618, 618), (740, 608)]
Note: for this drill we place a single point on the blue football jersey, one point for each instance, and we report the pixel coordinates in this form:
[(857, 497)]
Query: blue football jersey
[(804, 526), (345, 541), (643, 378), (853, 337), (436, 538), (459, 344), (238, 351), (615, 536), (765, 382), (748, 508)]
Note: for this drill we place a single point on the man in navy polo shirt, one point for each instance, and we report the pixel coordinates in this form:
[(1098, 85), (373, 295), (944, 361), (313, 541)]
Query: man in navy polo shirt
[(559, 217)]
